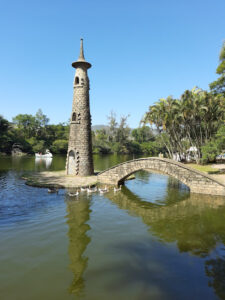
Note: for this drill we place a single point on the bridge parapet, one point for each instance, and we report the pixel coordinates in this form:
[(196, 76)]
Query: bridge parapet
[(197, 181)]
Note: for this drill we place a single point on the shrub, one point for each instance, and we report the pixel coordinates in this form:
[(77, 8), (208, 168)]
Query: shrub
[(209, 152)]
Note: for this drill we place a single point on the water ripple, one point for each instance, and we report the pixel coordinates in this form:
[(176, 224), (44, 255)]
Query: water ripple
[(19, 202)]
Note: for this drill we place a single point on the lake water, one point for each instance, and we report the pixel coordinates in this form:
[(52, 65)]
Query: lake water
[(151, 240)]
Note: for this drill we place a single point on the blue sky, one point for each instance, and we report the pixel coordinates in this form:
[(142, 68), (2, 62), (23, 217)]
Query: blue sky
[(140, 51)]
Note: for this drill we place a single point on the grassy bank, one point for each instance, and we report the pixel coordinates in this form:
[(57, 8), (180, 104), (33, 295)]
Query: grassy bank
[(205, 168)]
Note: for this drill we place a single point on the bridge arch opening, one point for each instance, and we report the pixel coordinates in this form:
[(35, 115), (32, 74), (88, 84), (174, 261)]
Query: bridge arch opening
[(153, 171)]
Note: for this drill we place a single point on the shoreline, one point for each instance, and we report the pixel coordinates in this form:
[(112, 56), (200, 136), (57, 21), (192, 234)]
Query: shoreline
[(59, 179)]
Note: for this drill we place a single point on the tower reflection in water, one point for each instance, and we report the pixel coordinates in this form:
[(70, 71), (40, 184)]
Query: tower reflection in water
[(78, 214)]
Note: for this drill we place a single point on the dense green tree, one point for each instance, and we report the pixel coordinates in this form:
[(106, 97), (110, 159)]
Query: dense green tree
[(133, 147), (39, 146), (26, 125), (209, 152), (151, 148), (218, 86), (142, 134), (6, 140), (59, 146), (56, 132), (192, 120), (41, 125), (101, 142), (36, 135), (215, 147), (4, 125), (220, 139)]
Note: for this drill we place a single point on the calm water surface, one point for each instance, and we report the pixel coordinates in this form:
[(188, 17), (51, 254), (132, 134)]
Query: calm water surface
[(152, 240)]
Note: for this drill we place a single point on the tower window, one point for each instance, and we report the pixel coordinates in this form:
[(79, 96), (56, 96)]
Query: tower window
[(71, 154), (76, 80), (74, 116)]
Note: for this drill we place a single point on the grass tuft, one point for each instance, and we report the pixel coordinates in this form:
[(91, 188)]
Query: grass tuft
[(205, 168)]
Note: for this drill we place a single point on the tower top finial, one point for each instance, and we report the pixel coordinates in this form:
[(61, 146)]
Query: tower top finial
[(81, 59)]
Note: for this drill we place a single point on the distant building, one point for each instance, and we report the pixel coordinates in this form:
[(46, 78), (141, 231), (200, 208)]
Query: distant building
[(190, 155)]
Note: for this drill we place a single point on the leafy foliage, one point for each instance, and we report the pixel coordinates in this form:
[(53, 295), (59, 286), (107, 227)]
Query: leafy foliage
[(119, 138), (209, 152), (191, 121), (33, 134), (218, 86)]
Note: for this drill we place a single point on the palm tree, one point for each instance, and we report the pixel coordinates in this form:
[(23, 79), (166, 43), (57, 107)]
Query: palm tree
[(191, 120)]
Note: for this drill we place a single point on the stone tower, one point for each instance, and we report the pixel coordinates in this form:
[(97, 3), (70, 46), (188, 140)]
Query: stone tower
[(79, 157)]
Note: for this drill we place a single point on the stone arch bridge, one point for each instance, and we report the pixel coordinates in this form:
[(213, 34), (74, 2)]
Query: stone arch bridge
[(197, 181)]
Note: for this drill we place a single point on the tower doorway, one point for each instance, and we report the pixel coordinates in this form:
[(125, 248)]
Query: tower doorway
[(71, 163)]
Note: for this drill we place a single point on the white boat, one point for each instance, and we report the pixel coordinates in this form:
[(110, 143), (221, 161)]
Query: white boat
[(47, 154)]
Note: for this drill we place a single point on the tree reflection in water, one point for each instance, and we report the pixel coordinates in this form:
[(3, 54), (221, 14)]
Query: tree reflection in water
[(215, 269), (195, 223), (78, 215)]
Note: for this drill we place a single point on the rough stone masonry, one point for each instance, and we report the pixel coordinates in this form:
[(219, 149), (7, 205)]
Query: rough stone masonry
[(197, 181), (79, 160)]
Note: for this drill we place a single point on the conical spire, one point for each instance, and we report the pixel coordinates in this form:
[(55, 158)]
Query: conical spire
[(81, 59)]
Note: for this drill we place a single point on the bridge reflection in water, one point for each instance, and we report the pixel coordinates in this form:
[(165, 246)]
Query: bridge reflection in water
[(195, 223)]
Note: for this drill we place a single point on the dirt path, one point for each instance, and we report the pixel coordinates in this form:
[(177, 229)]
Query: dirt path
[(219, 177), (59, 179)]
